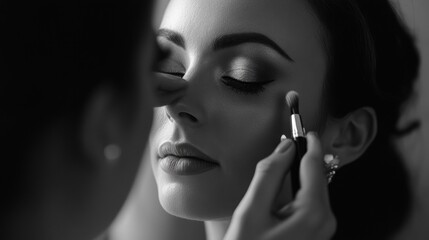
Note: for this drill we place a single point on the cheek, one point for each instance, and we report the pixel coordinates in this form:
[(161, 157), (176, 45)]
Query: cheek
[(249, 132)]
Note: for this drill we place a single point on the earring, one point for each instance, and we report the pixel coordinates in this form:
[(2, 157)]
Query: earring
[(331, 165), (112, 152)]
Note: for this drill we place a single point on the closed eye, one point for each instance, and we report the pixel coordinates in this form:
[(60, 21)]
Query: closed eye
[(243, 87)]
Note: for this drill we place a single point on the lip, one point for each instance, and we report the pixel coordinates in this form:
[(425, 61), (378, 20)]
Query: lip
[(184, 159)]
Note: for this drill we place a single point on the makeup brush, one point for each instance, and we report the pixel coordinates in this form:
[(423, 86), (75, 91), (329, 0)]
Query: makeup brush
[(298, 135)]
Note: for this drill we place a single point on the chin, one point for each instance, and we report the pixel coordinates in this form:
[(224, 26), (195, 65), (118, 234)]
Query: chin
[(196, 201)]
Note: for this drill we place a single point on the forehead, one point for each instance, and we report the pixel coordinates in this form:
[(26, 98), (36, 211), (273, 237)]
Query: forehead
[(290, 23)]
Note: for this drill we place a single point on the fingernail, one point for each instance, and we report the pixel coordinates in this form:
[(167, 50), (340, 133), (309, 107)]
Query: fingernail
[(282, 138), (283, 146), (314, 134)]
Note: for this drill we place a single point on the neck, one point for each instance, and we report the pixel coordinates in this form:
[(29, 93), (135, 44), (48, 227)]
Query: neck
[(216, 230)]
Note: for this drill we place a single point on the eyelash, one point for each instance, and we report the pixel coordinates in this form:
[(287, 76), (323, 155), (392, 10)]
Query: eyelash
[(242, 87)]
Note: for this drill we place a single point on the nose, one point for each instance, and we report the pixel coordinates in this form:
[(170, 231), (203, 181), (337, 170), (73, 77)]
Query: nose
[(181, 116), (188, 111)]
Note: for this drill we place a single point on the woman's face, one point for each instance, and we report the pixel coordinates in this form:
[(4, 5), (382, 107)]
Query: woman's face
[(240, 58)]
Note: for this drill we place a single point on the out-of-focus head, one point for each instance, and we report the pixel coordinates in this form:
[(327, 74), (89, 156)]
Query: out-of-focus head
[(240, 58), (74, 79)]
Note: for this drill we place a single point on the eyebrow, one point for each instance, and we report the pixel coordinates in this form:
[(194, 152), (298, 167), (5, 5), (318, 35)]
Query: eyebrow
[(172, 36), (229, 40), (235, 39)]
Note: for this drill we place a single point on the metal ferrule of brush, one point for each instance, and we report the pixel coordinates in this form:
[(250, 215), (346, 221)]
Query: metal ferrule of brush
[(297, 129)]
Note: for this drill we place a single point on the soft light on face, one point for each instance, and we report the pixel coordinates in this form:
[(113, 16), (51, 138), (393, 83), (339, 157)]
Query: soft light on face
[(240, 57)]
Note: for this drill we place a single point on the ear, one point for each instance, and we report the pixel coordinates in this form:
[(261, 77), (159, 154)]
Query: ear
[(100, 131), (349, 137)]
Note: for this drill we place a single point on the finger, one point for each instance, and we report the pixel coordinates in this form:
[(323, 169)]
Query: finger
[(309, 215), (169, 83), (165, 98), (168, 88), (268, 178), (312, 175)]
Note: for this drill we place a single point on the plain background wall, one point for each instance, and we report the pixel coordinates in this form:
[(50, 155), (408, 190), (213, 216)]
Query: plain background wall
[(415, 147)]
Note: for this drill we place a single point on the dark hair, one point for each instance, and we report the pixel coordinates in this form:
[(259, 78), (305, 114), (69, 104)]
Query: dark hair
[(52, 57), (373, 62)]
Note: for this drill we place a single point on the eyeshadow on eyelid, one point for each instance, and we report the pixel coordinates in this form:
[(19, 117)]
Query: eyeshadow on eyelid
[(243, 74), (259, 69), (243, 64)]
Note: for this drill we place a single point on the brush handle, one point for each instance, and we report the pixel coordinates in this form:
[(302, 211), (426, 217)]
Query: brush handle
[(301, 149)]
